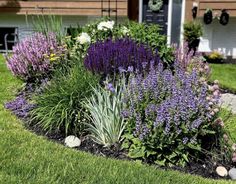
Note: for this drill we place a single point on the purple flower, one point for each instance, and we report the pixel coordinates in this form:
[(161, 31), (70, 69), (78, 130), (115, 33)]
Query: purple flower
[(167, 101), (118, 56), (185, 140), (20, 106), (33, 56), (110, 87)]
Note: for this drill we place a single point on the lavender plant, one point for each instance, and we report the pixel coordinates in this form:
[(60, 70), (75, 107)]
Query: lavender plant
[(35, 56), (107, 57), (168, 114)]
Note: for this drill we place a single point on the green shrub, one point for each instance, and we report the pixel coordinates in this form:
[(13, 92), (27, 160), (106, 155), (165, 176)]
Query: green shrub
[(59, 107), (150, 35), (192, 30), (104, 109)]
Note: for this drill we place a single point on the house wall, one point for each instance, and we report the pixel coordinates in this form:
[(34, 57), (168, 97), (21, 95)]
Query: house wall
[(25, 26), (63, 7), (219, 37), (215, 5), (216, 36)]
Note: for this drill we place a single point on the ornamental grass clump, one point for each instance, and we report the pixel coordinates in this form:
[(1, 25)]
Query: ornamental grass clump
[(108, 56), (104, 108), (35, 56), (169, 114), (59, 106)]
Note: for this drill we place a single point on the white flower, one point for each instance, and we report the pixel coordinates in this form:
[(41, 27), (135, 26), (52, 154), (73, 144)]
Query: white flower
[(125, 30), (105, 25), (84, 38)]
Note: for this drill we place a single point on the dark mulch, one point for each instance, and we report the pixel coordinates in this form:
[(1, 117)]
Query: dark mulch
[(205, 168)]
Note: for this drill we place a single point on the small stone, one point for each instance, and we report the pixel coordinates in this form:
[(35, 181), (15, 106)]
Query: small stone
[(72, 141), (221, 171), (232, 173)]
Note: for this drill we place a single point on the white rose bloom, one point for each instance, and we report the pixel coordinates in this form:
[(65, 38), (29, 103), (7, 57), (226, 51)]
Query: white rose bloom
[(106, 25), (84, 38), (125, 30), (100, 26)]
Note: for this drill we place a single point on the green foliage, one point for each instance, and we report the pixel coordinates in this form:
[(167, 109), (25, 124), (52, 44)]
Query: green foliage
[(49, 24), (104, 111), (142, 33), (59, 107), (192, 30), (150, 35)]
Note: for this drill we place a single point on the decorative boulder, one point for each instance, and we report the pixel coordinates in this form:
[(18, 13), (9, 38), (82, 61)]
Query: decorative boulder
[(232, 173), (72, 141), (221, 171)]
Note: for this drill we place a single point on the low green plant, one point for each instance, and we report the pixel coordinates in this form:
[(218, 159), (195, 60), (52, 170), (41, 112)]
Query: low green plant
[(59, 106), (104, 111), (214, 57), (192, 30)]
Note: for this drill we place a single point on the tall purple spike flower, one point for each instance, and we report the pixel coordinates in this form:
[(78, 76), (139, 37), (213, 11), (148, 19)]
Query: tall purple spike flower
[(168, 101), (111, 56)]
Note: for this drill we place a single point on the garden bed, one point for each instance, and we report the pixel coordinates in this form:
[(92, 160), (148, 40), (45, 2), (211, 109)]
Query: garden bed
[(123, 95)]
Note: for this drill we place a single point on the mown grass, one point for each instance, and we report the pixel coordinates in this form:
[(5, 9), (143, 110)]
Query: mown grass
[(226, 74), (26, 158)]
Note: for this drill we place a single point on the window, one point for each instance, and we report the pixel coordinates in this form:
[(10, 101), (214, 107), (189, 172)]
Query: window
[(8, 35)]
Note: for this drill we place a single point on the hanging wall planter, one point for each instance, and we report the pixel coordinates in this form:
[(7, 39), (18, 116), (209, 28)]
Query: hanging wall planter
[(224, 18), (155, 5), (208, 17)]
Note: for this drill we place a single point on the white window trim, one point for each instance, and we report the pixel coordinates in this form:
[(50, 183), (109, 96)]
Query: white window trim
[(170, 6), (182, 23)]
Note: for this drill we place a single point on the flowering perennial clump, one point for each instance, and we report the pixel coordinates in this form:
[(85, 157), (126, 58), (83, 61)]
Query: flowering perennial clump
[(35, 56), (167, 113), (20, 106), (109, 56)]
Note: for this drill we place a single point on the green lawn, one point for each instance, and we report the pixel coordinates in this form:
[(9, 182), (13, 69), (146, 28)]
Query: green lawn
[(27, 158), (226, 74)]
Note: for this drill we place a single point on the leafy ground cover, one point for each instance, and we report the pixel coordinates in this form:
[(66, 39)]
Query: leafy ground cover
[(226, 74), (27, 158)]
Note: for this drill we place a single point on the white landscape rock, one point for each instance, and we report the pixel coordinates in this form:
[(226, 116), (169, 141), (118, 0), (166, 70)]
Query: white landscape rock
[(221, 171), (232, 173), (72, 141)]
